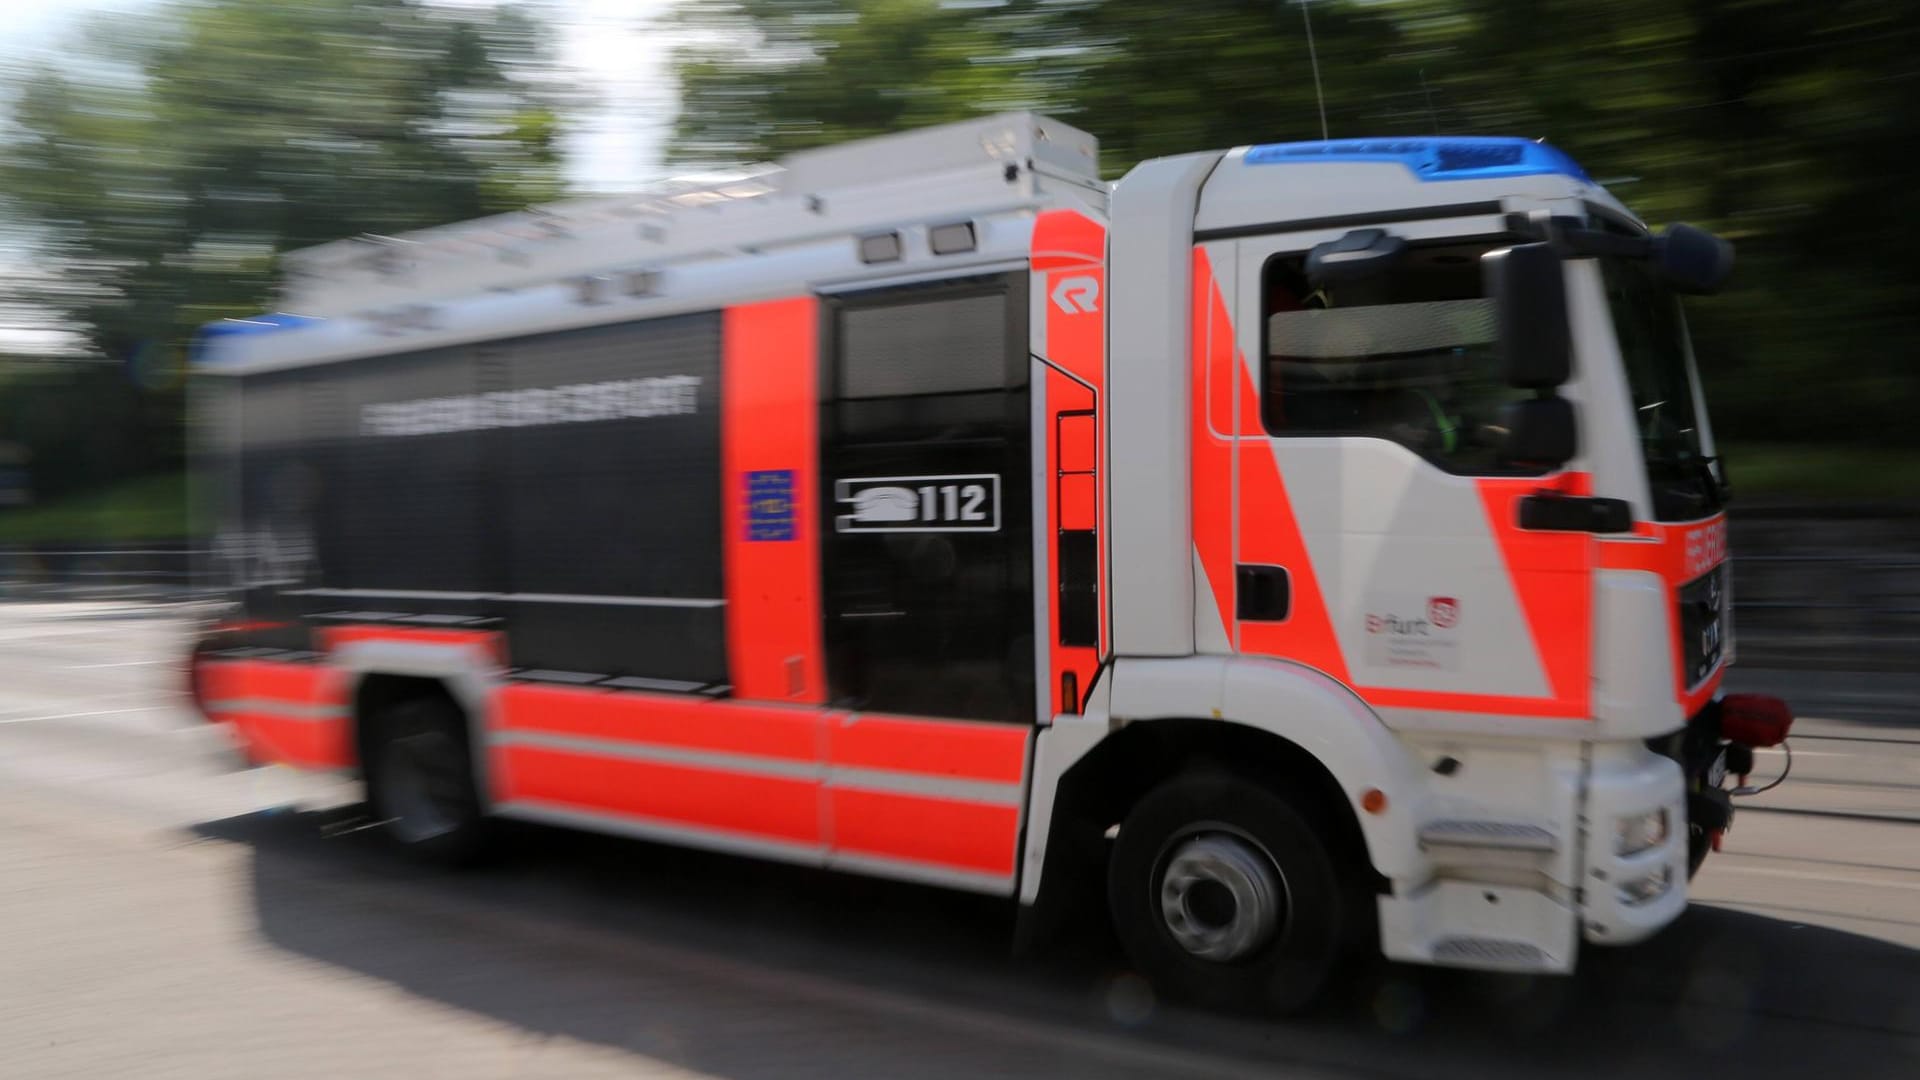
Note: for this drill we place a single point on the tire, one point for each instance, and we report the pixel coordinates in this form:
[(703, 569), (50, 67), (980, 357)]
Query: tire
[(418, 763), (1188, 860)]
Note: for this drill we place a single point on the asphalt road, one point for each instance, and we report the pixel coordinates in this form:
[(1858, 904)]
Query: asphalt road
[(166, 913)]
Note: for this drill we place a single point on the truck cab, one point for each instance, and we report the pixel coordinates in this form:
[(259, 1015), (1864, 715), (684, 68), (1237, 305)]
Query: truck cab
[(1450, 496)]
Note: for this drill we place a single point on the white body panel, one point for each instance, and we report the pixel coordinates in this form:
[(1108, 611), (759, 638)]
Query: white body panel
[(1151, 260)]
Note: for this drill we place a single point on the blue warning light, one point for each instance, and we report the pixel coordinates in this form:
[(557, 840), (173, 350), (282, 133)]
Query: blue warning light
[(1434, 158)]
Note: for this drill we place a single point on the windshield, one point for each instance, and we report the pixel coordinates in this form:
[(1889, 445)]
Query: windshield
[(1646, 320)]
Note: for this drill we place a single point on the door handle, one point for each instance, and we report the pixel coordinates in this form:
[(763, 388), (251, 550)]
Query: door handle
[(1575, 513), (1262, 593)]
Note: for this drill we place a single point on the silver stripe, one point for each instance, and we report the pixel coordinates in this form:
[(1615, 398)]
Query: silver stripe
[(991, 792), (926, 874), (886, 781), (286, 710), (673, 833), (524, 598), (664, 755)]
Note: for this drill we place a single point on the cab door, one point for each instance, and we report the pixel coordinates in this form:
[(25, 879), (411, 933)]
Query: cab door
[(1375, 531)]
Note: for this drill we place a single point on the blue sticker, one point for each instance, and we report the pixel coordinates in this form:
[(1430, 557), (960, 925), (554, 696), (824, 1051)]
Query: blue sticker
[(770, 504)]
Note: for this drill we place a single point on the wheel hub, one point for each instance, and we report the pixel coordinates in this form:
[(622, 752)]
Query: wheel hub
[(1221, 897), (422, 787)]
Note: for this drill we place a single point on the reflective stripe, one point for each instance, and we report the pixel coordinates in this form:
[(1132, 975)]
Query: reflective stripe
[(882, 781), (961, 749), (779, 808), (664, 755), (687, 721)]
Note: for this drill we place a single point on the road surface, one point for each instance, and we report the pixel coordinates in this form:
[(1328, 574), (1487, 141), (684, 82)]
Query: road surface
[(167, 913)]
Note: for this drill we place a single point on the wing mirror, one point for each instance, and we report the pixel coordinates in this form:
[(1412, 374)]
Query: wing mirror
[(1692, 260), (1529, 294)]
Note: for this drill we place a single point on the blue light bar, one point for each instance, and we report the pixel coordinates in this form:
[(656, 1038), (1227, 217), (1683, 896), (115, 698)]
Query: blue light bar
[(1433, 158), (213, 334)]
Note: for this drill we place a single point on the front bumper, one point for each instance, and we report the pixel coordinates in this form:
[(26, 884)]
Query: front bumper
[(1619, 901)]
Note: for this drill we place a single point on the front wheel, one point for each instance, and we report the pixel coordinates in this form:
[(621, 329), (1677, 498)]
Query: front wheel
[(1224, 895), (420, 780)]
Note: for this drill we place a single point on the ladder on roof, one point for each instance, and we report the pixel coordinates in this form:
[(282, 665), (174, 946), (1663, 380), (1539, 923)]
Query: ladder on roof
[(953, 171)]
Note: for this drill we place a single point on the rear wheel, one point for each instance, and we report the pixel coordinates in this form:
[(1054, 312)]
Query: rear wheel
[(420, 779), (1225, 895)]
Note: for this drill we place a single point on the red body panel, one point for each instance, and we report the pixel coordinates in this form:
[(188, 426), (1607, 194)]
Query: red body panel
[(770, 391)]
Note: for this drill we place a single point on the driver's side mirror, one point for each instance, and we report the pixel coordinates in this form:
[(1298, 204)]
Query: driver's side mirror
[(1529, 295), (1692, 260)]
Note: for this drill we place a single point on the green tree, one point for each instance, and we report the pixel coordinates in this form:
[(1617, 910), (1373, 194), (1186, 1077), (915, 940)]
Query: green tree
[(1781, 124), (158, 171)]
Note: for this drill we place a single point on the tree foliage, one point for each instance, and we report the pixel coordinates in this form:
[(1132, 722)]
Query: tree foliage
[(156, 172), (1780, 124)]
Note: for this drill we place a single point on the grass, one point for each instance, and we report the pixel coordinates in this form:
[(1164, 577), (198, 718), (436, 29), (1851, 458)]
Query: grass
[(146, 508), (1823, 472)]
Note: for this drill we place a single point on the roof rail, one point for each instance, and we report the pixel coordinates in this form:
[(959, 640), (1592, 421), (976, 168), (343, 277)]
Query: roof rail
[(954, 170)]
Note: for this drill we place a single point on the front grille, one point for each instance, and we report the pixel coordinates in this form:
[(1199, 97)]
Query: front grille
[(1703, 610)]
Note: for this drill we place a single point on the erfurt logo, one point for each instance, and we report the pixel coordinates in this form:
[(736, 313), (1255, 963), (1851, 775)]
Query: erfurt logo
[(1410, 632), (1706, 547), (1394, 624)]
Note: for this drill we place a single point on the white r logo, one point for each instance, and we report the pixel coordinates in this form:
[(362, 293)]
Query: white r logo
[(1075, 295)]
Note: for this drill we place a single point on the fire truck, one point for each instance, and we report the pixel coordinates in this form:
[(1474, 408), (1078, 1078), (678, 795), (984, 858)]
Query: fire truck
[(1295, 554)]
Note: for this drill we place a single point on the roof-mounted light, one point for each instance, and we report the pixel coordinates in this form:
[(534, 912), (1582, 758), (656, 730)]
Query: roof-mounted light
[(1435, 158), (267, 323)]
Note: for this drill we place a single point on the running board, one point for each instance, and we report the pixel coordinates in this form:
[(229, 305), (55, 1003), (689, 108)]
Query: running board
[(1490, 927), (1494, 954), (1501, 835)]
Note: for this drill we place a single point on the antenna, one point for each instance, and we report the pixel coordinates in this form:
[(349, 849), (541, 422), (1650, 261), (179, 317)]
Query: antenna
[(1314, 57), (1432, 116)]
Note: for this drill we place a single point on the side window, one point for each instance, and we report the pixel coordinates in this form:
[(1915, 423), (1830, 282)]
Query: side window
[(1408, 356), (944, 345)]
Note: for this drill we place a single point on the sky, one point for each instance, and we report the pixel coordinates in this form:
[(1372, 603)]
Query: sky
[(616, 146)]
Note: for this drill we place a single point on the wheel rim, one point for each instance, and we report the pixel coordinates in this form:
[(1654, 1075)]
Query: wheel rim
[(424, 785), (1222, 897)]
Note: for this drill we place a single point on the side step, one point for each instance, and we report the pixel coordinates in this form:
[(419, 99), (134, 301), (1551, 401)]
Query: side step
[(1495, 954), (1476, 925), (1502, 835)]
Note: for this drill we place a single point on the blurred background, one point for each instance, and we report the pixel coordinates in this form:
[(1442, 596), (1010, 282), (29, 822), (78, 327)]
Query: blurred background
[(157, 155)]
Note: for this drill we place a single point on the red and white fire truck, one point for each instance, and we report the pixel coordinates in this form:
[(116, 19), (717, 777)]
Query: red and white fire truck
[(1305, 550)]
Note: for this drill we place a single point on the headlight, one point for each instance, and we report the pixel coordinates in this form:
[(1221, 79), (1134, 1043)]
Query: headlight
[(1642, 889), (1640, 832)]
